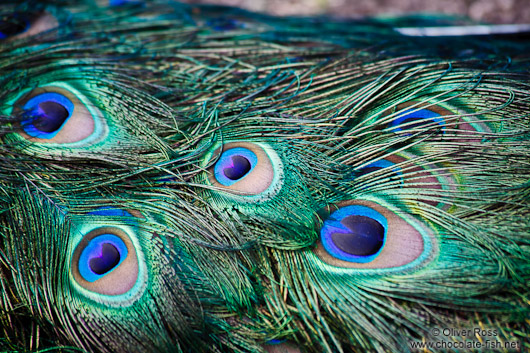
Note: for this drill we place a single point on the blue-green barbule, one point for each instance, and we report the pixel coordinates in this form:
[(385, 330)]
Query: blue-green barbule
[(180, 178)]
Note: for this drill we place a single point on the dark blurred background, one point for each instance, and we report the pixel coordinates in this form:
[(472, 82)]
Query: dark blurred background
[(489, 11)]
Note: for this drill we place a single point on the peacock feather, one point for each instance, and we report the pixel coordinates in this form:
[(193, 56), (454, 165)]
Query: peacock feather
[(184, 178)]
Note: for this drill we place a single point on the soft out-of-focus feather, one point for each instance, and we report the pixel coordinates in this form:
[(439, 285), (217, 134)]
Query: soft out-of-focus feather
[(224, 174)]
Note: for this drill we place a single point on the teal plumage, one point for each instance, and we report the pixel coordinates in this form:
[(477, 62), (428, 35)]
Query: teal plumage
[(204, 179)]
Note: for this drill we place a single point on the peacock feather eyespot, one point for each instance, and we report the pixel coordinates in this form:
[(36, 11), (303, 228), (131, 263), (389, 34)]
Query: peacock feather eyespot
[(364, 234), (451, 122), (58, 114), (411, 117), (105, 262), (383, 165), (17, 25), (246, 169)]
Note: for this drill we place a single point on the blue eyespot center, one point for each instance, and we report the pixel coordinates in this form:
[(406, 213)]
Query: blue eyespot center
[(391, 170), (411, 119), (367, 170), (50, 116), (101, 256), (354, 233), (275, 341), (239, 168), (46, 114), (125, 2), (106, 261), (223, 24), (234, 165), (365, 236), (110, 212), (12, 25)]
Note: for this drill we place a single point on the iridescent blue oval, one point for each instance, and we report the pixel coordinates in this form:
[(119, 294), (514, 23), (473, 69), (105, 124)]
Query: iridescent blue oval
[(101, 256), (234, 165), (354, 233), (46, 114)]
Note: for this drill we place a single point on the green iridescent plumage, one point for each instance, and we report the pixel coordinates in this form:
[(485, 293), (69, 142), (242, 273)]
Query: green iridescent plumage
[(204, 179)]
